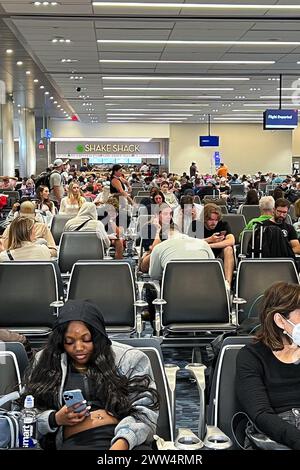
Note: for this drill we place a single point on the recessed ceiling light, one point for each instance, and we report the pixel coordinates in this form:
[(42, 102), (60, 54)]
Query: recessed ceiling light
[(28, 72), (42, 87), (9, 51), (35, 80), (202, 6), (68, 60), (46, 92), (19, 62), (58, 106), (51, 98), (60, 40), (54, 102)]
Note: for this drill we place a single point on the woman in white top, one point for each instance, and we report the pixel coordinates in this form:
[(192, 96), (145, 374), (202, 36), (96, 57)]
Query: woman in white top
[(73, 201), (87, 221), (170, 197), (21, 244)]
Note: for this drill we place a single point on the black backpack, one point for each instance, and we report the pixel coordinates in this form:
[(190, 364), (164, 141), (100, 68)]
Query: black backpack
[(269, 242), (43, 179)]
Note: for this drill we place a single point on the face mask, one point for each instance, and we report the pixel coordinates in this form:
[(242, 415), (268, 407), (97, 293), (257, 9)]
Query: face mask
[(295, 336)]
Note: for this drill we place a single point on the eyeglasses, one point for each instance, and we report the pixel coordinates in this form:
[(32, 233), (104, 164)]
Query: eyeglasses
[(281, 212)]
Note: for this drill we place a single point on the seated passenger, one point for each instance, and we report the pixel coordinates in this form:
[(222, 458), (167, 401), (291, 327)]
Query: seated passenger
[(266, 207), (21, 244), (71, 204), (87, 221), (267, 371), (115, 379), (41, 231), (219, 237)]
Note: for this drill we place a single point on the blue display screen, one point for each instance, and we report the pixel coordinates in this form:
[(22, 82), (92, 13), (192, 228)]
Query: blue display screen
[(209, 141), (280, 119)]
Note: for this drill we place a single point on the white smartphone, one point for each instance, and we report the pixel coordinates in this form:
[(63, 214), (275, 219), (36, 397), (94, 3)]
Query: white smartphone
[(73, 397)]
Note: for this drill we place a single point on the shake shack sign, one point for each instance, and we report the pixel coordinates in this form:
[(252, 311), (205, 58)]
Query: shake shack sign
[(109, 148)]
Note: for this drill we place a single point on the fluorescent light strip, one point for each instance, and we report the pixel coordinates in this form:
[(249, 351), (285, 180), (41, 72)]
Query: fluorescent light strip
[(157, 77), (237, 119), (165, 89), (144, 114), (245, 110), (99, 139), (163, 110), (158, 97), (199, 43), (263, 105), (155, 118), (207, 62), (270, 97), (181, 104), (242, 115), (198, 6)]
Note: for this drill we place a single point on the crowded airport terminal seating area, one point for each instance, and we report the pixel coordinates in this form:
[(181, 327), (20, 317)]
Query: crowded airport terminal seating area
[(177, 265)]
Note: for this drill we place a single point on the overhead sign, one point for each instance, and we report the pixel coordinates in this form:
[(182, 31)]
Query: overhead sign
[(89, 149), (48, 134), (217, 159), (209, 141), (280, 119), (41, 145)]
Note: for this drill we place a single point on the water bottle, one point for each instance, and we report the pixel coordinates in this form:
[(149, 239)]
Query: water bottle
[(28, 424)]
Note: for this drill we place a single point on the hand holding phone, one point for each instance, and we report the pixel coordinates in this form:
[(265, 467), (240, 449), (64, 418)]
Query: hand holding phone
[(74, 397)]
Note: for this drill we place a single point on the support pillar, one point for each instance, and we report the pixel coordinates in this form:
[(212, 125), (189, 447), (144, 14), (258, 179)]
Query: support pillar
[(27, 143), (7, 151)]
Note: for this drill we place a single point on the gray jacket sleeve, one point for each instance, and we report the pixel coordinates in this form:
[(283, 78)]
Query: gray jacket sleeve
[(135, 431)]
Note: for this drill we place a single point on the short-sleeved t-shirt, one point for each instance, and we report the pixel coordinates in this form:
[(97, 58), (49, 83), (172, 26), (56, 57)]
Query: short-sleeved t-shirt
[(288, 230), (56, 180), (220, 227)]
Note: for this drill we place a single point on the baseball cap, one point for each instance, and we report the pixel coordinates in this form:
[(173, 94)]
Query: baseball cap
[(58, 162), (85, 311)]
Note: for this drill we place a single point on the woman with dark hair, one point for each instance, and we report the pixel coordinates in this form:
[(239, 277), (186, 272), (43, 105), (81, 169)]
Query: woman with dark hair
[(43, 202), (251, 200), (118, 183), (115, 380), (268, 374)]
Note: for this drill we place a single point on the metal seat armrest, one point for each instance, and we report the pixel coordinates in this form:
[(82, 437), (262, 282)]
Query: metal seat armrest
[(216, 439)]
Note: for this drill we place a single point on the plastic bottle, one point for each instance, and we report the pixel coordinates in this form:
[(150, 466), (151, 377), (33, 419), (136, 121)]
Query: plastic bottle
[(28, 424)]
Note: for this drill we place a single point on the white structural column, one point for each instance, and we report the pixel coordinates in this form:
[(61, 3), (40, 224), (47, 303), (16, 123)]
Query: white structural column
[(27, 143), (7, 151)]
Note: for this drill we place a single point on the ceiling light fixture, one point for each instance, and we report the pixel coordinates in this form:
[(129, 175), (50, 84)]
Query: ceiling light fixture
[(9, 51), (157, 77), (162, 62), (198, 6), (159, 97), (198, 43), (166, 89), (19, 62), (60, 39)]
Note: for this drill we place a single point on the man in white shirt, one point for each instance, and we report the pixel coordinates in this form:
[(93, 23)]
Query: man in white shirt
[(178, 246)]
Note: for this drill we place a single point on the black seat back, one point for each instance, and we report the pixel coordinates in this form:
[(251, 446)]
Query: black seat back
[(57, 226), (152, 348), (223, 402), (110, 285), (27, 289), (250, 212), (10, 379), (184, 287), (20, 353), (76, 246), (254, 276), (236, 222)]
